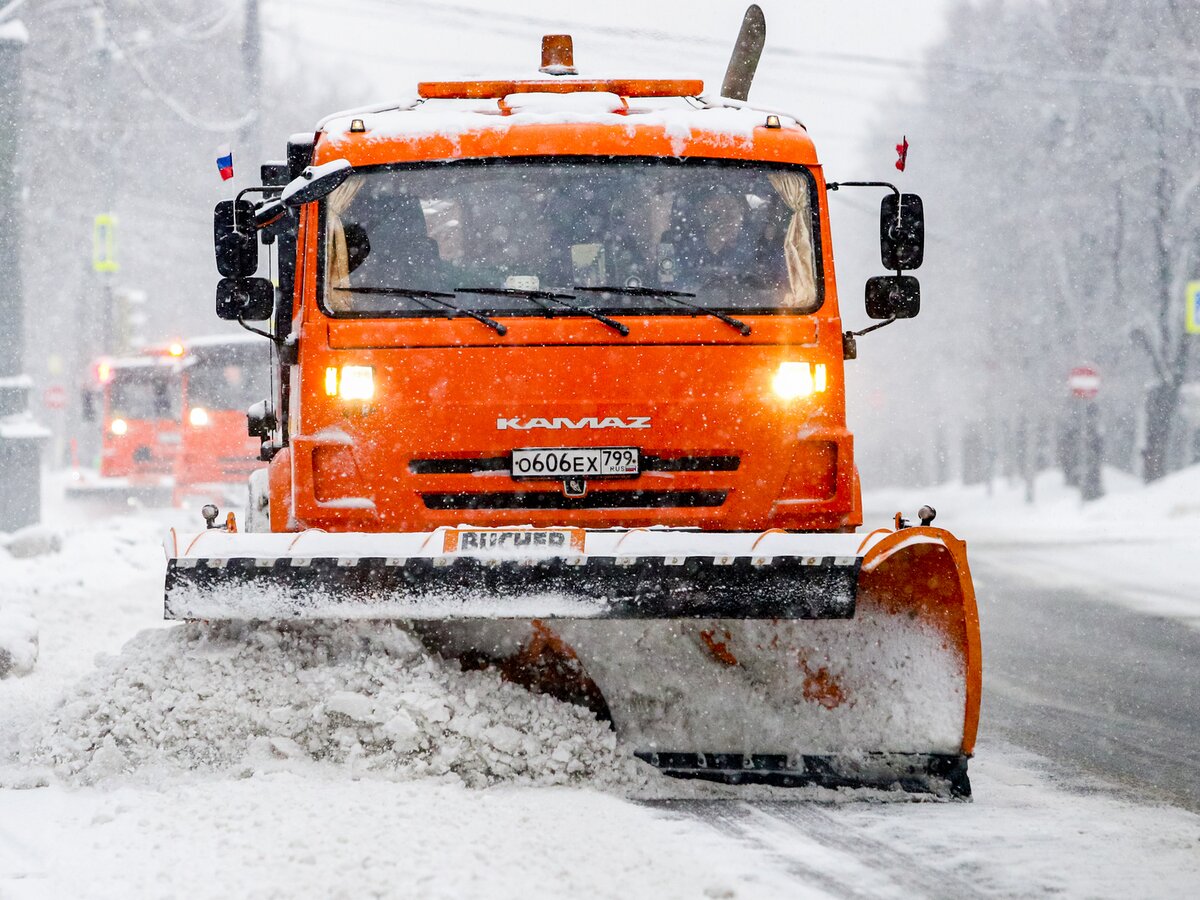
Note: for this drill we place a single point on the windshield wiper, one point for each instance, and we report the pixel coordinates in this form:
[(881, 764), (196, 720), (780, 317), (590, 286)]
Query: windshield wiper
[(439, 297), (560, 299), (667, 294)]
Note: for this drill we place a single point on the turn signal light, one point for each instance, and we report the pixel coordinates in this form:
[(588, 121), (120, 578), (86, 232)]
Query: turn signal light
[(799, 379), (350, 382)]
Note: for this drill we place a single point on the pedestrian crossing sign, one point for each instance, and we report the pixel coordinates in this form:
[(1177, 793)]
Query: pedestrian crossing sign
[(104, 243), (1193, 307)]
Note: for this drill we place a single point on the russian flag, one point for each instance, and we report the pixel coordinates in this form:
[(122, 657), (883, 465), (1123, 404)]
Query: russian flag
[(225, 162)]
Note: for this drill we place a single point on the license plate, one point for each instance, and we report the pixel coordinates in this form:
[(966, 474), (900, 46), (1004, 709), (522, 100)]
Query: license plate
[(582, 462), (501, 541)]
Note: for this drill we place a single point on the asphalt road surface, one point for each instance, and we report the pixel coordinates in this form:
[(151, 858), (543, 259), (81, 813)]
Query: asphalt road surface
[(1090, 685)]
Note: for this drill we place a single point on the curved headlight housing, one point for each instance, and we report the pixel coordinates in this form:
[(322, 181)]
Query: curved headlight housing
[(198, 417), (118, 427), (799, 379)]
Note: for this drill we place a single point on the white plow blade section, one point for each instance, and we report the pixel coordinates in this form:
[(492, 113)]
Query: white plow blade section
[(512, 573)]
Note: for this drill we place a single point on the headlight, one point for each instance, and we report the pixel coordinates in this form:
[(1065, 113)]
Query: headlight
[(799, 379), (350, 382), (198, 416), (118, 427)]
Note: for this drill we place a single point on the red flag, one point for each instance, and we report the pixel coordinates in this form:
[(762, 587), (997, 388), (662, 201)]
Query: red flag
[(902, 153)]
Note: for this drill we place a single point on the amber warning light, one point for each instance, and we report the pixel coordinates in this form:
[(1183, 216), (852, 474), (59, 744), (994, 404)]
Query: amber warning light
[(558, 55)]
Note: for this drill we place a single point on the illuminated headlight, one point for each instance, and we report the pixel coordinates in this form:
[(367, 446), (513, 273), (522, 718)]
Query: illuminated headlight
[(198, 416), (118, 427), (799, 379), (350, 382)]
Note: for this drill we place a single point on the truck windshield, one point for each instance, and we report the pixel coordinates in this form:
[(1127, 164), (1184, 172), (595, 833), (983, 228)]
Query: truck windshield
[(143, 393), (737, 237), (232, 382)]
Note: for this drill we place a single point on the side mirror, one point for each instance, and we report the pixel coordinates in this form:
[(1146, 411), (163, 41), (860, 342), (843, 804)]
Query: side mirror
[(893, 296), (315, 182), (260, 420), (902, 232), (237, 251), (252, 299)]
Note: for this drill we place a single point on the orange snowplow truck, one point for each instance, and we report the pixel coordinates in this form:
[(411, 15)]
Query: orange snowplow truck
[(135, 401), (561, 385)]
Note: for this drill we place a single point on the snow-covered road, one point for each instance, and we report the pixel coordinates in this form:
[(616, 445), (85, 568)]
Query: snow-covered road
[(1088, 726), (1093, 686)]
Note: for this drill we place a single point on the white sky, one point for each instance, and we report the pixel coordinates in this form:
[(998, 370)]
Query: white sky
[(382, 48)]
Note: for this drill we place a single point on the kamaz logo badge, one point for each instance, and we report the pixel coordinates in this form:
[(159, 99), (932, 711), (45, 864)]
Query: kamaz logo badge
[(518, 424)]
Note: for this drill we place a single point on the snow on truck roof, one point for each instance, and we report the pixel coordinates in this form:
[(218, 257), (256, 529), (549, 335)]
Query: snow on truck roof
[(679, 117), (675, 106), (548, 112), (557, 94)]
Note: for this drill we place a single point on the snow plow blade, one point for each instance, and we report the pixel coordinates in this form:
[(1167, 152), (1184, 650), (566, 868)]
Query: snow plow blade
[(777, 658)]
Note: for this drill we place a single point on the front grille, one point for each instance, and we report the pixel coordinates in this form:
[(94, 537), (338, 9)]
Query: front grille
[(502, 463), (557, 500)]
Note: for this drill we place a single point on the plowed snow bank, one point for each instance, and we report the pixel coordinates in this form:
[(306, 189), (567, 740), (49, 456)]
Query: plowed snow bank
[(18, 641), (366, 697)]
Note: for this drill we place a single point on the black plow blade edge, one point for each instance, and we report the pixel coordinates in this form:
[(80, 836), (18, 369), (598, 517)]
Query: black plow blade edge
[(600, 587), (915, 773)]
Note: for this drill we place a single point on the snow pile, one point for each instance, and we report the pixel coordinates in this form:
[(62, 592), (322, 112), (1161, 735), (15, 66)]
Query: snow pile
[(18, 628), (27, 543), (18, 641), (365, 697), (63, 593)]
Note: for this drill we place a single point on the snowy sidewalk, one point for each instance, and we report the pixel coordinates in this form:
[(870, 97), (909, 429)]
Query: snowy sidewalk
[(1139, 545)]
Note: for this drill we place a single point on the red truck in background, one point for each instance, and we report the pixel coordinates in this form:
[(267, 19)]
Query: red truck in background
[(135, 401), (220, 377)]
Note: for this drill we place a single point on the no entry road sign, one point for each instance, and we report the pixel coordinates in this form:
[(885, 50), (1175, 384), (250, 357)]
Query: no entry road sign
[(54, 396), (1084, 382)]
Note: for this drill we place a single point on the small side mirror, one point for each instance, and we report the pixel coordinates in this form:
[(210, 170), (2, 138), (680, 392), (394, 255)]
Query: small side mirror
[(260, 420), (237, 251), (902, 232), (87, 405), (252, 299), (893, 296), (315, 182)]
